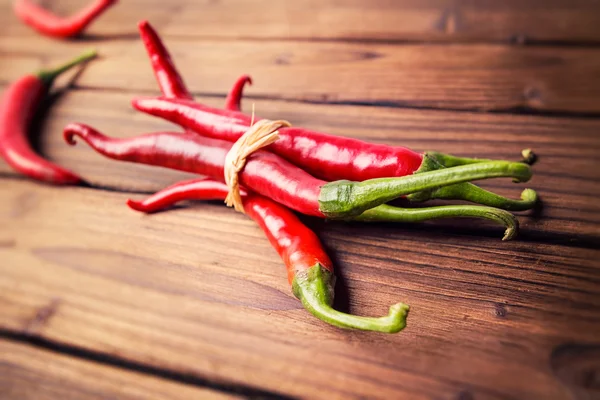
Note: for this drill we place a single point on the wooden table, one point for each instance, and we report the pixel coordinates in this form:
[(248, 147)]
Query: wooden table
[(98, 301)]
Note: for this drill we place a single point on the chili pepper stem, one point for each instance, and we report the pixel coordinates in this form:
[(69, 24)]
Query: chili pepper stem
[(448, 160), (208, 189), (529, 157), (474, 194), (48, 76), (314, 288), (468, 191), (341, 199), (387, 213)]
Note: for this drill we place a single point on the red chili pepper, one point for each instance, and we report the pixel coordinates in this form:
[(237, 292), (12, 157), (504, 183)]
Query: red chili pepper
[(309, 269), (17, 108), (326, 156), (270, 175), (169, 80), (52, 25), (234, 98)]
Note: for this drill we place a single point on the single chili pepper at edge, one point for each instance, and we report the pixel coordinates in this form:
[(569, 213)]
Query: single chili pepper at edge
[(62, 27), (272, 176), (17, 108), (331, 157), (169, 80), (309, 269)]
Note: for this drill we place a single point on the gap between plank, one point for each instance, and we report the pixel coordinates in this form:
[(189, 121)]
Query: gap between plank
[(516, 40), (121, 363), (523, 110)]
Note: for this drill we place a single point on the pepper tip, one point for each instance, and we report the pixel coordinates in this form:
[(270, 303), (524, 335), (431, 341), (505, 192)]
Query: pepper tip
[(529, 195), (135, 205), (529, 157), (69, 134)]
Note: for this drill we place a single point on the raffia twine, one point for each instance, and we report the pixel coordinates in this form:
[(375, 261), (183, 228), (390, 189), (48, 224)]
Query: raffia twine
[(259, 135)]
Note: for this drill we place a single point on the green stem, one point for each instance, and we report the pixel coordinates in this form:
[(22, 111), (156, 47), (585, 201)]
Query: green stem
[(469, 192), (48, 75), (342, 199), (314, 288), (448, 160), (529, 157), (387, 213)]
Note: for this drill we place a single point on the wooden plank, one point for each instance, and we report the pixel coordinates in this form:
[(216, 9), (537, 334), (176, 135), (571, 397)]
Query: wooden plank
[(198, 290), (31, 373), (467, 77), (398, 20), (565, 177)]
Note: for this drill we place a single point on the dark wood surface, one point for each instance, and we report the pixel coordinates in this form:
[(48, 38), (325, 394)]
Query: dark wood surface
[(29, 372), (97, 301)]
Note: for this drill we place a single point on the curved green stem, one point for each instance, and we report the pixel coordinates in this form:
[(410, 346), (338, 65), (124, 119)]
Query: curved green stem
[(387, 213), (469, 192), (448, 160), (314, 288), (341, 199), (48, 75)]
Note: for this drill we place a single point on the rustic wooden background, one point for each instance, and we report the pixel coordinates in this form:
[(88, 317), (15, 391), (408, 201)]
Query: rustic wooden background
[(97, 301)]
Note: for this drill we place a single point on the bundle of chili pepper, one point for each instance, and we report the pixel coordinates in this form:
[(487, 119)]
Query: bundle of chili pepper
[(326, 156), (293, 187), (52, 25), (279, 181), (17, 108), (270, 175)]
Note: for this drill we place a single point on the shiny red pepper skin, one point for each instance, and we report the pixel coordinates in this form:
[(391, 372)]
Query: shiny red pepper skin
[(265, 172), (298, 247), (193, 189), (169, 80), (234, 97), (17, 108), (325, 156), (52, 25)]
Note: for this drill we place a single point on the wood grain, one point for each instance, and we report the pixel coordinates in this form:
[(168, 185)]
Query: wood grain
[(566, 176), (31, 373), (197, 291), (384, 20), (486, 316), (465, 77)]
